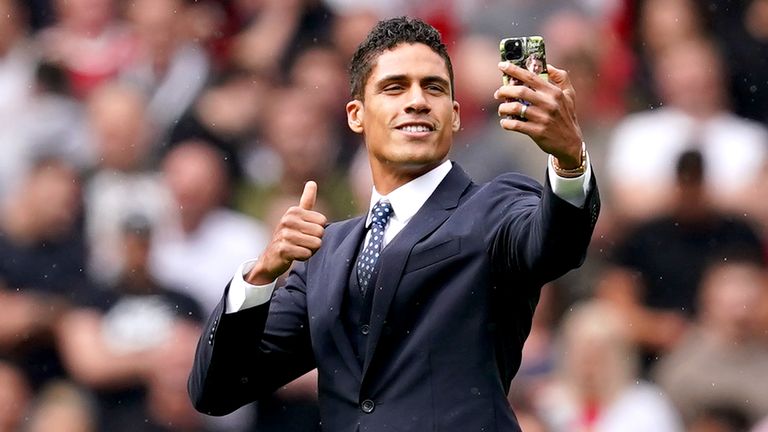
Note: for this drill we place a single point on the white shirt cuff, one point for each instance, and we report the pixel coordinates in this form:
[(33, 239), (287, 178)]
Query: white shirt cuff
[(573, 190), (243, 295)]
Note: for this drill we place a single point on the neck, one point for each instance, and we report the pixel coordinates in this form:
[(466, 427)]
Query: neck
[(19, 226), (191, 221), (138, 281), (385, 179)]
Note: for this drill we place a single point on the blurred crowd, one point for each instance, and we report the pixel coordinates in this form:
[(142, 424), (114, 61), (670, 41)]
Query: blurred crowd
[(148, 147)]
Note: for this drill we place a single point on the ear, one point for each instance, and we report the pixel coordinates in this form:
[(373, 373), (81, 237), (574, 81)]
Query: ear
[(456, 121), (355, 114)]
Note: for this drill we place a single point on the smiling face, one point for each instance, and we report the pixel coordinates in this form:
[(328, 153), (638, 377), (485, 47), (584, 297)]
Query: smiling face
[(408, 115)]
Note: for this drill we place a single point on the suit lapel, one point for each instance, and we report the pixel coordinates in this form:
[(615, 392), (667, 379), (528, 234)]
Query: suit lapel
[(338, 277), (432, 214)]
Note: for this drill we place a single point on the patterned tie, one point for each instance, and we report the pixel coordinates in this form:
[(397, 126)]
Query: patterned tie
[(381, 213)]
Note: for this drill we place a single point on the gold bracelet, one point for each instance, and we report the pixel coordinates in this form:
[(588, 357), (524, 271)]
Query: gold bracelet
[(573, 172)]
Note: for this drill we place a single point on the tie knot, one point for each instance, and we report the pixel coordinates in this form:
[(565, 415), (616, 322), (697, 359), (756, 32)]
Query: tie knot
[(381, 213)]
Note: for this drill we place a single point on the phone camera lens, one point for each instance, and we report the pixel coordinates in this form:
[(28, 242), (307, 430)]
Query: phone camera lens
[(513, 50)]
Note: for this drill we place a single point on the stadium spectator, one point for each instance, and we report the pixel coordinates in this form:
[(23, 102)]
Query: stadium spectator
[(645, 145), (303, 144), (659, 266), (42, 258), (116, 341), (598, 388), (722, 360), (89, 41), (195, 253), (121, 142)]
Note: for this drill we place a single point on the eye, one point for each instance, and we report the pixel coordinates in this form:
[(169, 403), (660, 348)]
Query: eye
[(435, 88), (393, 88)]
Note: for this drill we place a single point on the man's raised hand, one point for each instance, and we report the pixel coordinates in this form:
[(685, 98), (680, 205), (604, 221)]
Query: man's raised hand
[(297, 237), (551, 113)]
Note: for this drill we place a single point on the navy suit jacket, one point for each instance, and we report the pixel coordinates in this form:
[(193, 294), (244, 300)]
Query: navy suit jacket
[(453, 305)]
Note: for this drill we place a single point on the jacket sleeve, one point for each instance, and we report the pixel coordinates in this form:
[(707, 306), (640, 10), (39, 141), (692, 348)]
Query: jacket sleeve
[(539, 234), (246, 355)]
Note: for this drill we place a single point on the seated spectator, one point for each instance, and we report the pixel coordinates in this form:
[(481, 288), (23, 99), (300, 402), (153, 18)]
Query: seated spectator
[(658, 267), (117, 342), (722, 360), (196, 253), (89, 41), (598, 388), (47, 121), (42, 258), (302, 142), (694, 115), (120, 138)]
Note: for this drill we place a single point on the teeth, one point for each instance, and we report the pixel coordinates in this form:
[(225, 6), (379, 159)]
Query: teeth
[(415, 128)]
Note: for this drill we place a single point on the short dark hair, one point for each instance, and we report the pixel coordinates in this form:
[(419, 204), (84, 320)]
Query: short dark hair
[(386, 35), (690, 167)]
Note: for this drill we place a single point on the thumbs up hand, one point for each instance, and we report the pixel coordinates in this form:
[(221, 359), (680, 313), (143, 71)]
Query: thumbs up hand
[(297, 237)]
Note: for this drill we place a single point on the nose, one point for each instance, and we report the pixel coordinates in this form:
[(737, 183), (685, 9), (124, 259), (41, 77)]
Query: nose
[(417, 102)]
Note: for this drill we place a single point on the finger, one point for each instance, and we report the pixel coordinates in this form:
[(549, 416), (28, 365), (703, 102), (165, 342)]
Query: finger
[(525, 76), (531, 129), (559, 77), (298, 214), (520, 92), (291, 252), (309, 196), (287, 242), (306, 227), (514, 92), (302, 240), (515, 109)]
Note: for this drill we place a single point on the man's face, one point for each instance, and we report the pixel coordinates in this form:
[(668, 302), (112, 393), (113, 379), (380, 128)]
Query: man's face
[(408, 117)]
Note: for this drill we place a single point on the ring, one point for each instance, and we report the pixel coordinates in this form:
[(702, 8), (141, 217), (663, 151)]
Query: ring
[(523, 110)]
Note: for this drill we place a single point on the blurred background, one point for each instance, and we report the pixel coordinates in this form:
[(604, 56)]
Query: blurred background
[(148, 147)]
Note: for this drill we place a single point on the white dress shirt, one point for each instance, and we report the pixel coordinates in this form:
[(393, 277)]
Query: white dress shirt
[(406, 201)]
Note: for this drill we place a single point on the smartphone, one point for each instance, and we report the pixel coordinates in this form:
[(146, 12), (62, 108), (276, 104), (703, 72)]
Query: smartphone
[(526, 52)]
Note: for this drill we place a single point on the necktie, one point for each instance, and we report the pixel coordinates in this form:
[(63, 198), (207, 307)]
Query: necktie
[(381, 213)]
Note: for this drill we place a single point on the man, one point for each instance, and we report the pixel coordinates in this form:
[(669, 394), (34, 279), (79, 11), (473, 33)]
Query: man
[(418, 322)]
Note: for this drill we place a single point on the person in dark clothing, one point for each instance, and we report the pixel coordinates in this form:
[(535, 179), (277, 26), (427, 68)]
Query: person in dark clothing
[(118, 341), (42, 261), (659, 266)]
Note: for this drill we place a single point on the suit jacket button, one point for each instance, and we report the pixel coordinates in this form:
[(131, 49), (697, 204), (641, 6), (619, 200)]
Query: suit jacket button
[(365, 329), (367, 406)]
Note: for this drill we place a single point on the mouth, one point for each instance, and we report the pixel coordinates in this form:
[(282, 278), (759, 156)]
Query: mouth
[(416, 128)]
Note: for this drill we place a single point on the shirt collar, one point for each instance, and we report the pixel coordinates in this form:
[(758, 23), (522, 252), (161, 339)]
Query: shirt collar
[(408, 198)]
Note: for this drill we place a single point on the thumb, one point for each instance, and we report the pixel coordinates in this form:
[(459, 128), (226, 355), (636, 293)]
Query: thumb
[(559, 77), (309, 196)]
